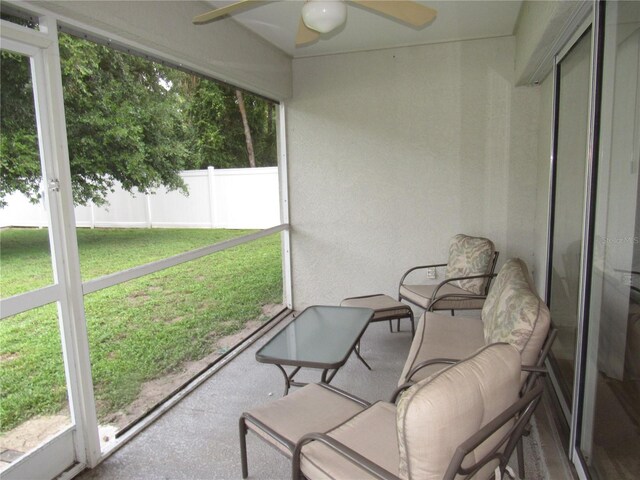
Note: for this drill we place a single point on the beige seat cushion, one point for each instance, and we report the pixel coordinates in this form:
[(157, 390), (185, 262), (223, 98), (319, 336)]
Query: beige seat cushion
[(514, 313), (371, 433), (470, 256), (442, 336), (439, 413), (312, 408), (421, 295)]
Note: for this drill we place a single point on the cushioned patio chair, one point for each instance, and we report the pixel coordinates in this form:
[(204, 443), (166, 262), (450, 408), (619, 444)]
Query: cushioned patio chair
[(469, 269), (465, 420), (512, 313)]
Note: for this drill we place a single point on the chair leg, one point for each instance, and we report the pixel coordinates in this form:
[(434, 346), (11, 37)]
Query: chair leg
[(243, 448), (398, 325), (520, 453), (453, 313), (391, 326), (413, 326)]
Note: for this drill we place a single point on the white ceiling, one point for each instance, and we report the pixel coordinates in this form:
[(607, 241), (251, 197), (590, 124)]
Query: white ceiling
[(277, 22)]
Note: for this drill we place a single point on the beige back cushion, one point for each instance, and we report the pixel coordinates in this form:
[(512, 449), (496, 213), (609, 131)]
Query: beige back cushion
[(439, 413), (514, 313), (469, 256)]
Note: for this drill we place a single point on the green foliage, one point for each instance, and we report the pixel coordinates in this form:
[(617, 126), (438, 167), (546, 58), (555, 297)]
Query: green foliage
[(128, 120), (19, 158), (138, 330), (122, 122), (217, 126)]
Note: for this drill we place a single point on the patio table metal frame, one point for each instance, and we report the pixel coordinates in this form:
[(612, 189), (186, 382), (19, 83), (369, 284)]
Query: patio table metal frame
[(320, 337)]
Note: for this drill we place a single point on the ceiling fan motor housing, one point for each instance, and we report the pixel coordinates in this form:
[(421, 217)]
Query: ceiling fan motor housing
[(324, 15)]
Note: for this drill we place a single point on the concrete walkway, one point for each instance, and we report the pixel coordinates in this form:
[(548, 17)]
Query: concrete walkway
[(198, 438)]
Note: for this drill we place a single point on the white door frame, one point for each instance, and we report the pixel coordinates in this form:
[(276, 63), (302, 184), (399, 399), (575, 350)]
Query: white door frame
[(79, 445)]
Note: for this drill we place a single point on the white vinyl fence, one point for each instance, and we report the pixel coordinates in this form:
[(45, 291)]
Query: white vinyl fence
[(223, 198)]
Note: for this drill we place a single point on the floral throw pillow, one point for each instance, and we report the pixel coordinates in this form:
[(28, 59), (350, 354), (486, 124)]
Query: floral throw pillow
[(512, 308), (469, 256)]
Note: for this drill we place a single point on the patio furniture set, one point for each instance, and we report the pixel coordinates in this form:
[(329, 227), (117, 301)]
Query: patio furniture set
[(465, 396)]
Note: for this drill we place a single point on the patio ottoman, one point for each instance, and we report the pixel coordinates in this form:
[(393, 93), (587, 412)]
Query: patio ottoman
[(384, 307), (313, 408)]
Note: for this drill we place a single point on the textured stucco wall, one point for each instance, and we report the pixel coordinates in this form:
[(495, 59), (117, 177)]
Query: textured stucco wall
[(392, 152)]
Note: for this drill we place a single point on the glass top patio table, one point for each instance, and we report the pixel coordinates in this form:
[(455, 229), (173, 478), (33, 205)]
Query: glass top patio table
[(320, 337)]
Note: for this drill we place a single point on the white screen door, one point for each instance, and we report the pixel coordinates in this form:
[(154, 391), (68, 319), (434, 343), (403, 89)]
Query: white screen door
[(44, 423)]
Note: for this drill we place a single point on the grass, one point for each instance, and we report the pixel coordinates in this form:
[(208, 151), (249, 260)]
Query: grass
[(139, 330)]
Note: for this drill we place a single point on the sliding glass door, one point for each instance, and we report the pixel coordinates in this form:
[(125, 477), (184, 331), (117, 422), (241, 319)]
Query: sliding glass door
[(573, 73), (593, 277), (610, 426)]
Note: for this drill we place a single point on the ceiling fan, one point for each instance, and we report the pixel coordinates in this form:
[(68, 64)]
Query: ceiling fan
[(323, 16)]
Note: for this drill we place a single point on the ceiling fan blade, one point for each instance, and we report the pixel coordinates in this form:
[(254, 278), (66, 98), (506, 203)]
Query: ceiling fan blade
[(305, 34), (411, 13), (222, 11)]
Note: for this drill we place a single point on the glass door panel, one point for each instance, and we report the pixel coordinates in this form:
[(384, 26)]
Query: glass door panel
[(610, 438), (572, 131)]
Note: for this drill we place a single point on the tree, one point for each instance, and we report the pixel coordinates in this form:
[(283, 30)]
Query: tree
[(124, 123), (247, 130), (223, 132), (19, 158), (129, 121)]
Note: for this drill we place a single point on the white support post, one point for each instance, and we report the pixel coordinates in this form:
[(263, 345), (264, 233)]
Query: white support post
[(92, 209), (212, 194), (56, 170), (284, 207)]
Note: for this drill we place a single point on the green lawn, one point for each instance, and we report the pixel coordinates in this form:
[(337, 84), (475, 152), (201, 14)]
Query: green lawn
[(138, 330)]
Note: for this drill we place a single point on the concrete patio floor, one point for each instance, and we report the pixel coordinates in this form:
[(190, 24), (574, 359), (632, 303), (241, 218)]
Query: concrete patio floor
[(198, 438)]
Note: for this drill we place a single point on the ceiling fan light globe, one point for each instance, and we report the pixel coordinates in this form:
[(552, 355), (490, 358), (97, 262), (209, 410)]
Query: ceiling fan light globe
[(324, 15)]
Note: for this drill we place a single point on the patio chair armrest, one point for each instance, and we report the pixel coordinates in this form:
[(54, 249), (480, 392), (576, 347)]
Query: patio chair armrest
[(455, 279), (539, 369), (400, 390), (534, 369), (419, 267), (427, 363), (354, 457), (535, 372), (522, 411), (345, 394), (455, 296), (448, 361)]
